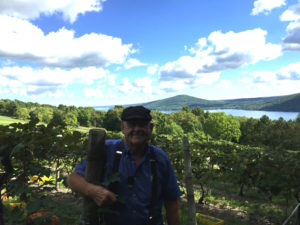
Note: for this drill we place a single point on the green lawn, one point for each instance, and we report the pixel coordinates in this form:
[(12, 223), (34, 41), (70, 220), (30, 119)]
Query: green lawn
[(5, 120)]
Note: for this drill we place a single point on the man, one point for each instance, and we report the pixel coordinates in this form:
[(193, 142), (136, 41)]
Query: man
[(147, 179)]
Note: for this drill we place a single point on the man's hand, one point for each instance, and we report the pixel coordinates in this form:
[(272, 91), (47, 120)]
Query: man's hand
[(99, 194), (172, 212)]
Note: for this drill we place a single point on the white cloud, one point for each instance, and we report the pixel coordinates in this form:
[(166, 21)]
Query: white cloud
[(224, 84), (57, 94), (39, 81), (219, 52), (152, 69), (200, 79), (4, 91), (32, 9), (290, 72), (138, 88), (144, 84), (27, 42), (292, 39), (246, 80), (93, 92), (233, 50), (265, 6), (199, 46), (185, 67), (284, 81), (268, 77), (127, 87), (133, 63), (172, 86), (111, 80), (291, 14)]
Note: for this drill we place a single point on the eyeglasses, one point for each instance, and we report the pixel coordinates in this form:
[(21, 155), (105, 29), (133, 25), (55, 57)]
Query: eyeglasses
[(139, 123)]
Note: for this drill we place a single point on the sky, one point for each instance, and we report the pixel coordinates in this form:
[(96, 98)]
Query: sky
[(115, 52)]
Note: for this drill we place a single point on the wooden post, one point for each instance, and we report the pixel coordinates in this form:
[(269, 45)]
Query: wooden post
[(189, 182), (1, 212), (298, 214), (94, 172), (57, 174)]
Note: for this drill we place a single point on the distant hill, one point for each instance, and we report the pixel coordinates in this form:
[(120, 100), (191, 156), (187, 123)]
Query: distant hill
[(287, 103)]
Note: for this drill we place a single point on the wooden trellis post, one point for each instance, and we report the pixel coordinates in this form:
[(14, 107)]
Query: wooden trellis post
[(189, 183), (94, 172)]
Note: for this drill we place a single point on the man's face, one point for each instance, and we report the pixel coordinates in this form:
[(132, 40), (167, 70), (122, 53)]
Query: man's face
[(136, 132)]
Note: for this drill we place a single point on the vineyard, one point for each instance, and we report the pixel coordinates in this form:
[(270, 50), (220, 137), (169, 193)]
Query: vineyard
[(262, 182)]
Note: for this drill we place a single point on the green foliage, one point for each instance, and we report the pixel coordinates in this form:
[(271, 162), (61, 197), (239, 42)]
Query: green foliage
[(43, 114), (265, 132), (84, 116), (164, 125), (8, 108), (33, 149), (298, 118), (187, 120), (112, 119), (222, 126), (114, 135), (22, 113), (58, 118), (71, 119)]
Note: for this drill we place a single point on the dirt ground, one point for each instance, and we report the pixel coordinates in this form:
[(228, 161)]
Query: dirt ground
[(225, 213)]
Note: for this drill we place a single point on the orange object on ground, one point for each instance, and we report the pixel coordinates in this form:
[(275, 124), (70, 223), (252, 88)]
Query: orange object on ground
[(36, 215)]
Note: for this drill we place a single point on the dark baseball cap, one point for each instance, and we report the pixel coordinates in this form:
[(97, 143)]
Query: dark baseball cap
[(136, 113)]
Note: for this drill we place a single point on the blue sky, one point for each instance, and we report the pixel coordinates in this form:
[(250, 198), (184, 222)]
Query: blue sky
[(97, 53)]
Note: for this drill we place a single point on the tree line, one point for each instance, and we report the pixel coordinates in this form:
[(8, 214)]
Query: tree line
[(195, 121)]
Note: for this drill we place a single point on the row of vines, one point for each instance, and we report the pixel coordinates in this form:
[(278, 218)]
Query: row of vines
[(34, 150), (270, 172)]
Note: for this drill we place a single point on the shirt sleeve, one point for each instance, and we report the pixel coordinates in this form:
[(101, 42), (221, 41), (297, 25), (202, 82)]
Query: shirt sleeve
[(170, 189), (80, 168)]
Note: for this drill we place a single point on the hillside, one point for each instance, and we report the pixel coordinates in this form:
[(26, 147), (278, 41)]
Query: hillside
[(288, 103), (177, 102)]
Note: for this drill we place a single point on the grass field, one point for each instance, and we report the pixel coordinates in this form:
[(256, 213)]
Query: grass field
[(5, 120)]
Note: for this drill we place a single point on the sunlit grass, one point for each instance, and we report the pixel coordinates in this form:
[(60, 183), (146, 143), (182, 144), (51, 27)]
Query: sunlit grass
[(5, 120)]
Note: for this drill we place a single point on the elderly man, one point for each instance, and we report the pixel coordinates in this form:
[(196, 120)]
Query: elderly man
[(147, 180)]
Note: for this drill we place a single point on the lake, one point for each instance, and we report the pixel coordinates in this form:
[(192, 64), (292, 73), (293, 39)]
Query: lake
[(239, 112), (259, 114), (253, 113)]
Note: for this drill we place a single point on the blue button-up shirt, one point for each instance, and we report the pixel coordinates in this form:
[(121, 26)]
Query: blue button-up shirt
[(135, 211)]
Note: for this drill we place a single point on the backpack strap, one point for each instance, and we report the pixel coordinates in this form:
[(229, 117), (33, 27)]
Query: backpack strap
[(117, 158), (118, 154), (154, 181)]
